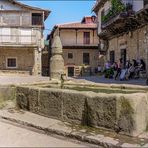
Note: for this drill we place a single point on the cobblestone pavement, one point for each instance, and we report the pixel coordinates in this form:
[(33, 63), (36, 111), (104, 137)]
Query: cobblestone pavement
[(101, 79), (21, 79), (14, 135)]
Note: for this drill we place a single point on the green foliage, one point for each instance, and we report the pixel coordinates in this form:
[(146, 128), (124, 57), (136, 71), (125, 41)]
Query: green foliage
[(116, 8), (109, 73)]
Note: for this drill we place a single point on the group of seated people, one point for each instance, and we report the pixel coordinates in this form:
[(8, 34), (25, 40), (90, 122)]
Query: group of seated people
[(129, 70)]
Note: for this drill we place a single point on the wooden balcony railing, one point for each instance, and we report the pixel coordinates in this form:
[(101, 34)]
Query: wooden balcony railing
[(81, 46), (18, 40)]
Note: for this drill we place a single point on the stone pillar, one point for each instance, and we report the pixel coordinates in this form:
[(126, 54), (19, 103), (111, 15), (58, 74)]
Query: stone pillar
[(37, 62), (56, 60)]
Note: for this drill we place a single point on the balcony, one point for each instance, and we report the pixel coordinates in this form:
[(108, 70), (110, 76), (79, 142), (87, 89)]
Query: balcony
[(18, 40), (16, 18), (122, 22), (80, 46), (113, 14)]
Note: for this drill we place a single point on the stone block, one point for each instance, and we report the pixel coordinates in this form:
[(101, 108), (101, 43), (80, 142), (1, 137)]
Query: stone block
[(22, 97), (50, 103), (7, 93), (33, 100), (131, 113), (73, 106), (102, 111)]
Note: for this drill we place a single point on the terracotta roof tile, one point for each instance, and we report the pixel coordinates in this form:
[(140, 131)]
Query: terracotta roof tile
[(77, 25)]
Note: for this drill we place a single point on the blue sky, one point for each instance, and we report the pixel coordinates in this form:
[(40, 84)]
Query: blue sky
[(63, 11)]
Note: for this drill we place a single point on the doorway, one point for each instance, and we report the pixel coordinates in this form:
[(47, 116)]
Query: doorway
[(70, 71), (112, 57), (123, 56)]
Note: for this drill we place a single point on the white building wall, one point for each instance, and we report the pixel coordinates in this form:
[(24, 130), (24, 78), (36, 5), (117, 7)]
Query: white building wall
[(137, 4), (106, 6)]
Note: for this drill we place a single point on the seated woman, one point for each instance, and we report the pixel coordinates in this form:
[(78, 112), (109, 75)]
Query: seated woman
[(131, 71), (141, 67)]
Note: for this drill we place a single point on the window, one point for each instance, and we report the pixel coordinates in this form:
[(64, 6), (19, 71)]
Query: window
[(70, 55), (86, 37), (37, 19), (86, 58), (11, 63), (112, 57), (2, 7)]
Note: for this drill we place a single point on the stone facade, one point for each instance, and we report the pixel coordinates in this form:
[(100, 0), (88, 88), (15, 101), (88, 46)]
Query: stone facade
[(133, 42), (124, 33), (77, 60), (21, 37), (25, 58)]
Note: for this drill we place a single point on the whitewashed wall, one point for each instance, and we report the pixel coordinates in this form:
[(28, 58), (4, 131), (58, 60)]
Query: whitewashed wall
[(106, 6)]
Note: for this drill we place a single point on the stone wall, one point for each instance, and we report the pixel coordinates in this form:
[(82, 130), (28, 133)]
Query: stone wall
[(120, 112), (26, 59), (7, 93), (77, 60), (133, 42)]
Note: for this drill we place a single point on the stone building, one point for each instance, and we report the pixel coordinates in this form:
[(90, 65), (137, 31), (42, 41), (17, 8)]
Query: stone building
[(21, 37), (123, 29), (80, 46)]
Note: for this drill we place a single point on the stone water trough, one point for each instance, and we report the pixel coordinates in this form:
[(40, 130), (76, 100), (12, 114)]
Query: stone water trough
[(125, 113)]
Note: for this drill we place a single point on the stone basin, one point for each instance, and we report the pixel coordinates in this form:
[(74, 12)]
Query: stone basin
[(121, 110)]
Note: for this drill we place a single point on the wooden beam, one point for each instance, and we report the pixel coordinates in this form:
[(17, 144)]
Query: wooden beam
[(76, 35)]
